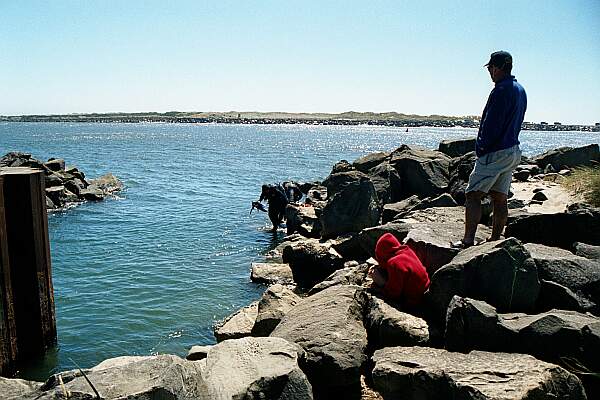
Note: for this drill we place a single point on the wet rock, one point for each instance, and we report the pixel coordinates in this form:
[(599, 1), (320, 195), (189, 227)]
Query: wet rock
[(423, 172), (354, 274), (275, 302), (548, 229), (459, 170), (255, 368), (328, 325), (587, 250), (365, 163), (270, 273), (197, 353), (92, 193), (501, 273), (580, 275), (548, 336), (457, 147), (311, 261), (238, 324), (387, 326), (568, 157), (352, 204), (428, 373), (303, 220), (153, 377)]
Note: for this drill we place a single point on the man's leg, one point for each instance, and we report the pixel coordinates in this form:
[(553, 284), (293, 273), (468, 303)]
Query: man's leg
[(500, 204), (472, 216)]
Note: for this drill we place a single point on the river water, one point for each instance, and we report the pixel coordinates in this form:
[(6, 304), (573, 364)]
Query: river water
[(152, 270)]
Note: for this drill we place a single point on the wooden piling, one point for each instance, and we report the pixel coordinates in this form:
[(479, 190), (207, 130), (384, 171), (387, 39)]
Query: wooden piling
[(26, 270)]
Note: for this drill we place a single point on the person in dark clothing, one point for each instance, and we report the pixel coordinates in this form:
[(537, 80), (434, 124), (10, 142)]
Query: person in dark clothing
[(277, 200), (400, 275), (292, 191), (497, 149)]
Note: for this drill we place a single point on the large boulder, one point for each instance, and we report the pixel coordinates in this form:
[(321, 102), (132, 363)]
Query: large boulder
[(457, 147), (502, 273), (275, 302), (302, 219), (413, 203), (422, 172), (352, 204), (459, 170), (429, 374), (255, 368), (13, 389), (329, 326), (549, 229), (311, 261), (271, 273), (365, 163), (237, 325), (549, 336), (387, 326), (578, 274), (568, 157), (349, 247), (352, 274), (134, 377), (386, 181), (587, 250)]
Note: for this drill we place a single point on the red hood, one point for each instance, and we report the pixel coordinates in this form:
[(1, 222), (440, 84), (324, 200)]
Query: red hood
[(387, 247)]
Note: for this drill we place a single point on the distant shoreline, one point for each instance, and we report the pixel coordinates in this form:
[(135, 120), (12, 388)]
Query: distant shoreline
[(349, 118)]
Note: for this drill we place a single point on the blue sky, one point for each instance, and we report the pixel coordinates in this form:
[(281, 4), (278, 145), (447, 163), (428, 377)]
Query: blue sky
[(422, 57)]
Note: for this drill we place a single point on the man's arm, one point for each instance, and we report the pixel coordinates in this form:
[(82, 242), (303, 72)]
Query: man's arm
[(490, 131)]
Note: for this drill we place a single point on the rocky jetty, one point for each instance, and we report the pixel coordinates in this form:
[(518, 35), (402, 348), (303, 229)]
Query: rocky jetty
[(65, 185), (517, 318)]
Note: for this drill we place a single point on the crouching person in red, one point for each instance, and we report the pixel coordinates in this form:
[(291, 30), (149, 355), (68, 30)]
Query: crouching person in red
[(400, 276)]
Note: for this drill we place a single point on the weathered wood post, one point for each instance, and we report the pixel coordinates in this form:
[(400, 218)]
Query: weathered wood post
[(26, 272)]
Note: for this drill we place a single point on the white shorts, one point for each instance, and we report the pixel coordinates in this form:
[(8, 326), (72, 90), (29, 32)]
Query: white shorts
[(493, 171)]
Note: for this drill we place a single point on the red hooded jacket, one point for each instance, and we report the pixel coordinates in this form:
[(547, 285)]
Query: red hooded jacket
[(407, 277)]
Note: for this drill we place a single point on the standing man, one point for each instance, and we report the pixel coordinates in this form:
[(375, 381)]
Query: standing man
[(497, 148)]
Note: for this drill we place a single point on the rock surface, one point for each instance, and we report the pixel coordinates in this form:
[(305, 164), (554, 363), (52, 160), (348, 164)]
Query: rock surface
[(459, 170), (502, 273), (271, 273), (13, 389), (255, 368), (197, 353), (275, 302), (587, 250), (457, 147), (238, 324), (349, 275), (311, 261), (329, 327), (303, 220), (568, 157), (431, 374)]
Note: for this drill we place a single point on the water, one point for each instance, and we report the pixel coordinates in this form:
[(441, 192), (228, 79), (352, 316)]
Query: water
[(151, 271)]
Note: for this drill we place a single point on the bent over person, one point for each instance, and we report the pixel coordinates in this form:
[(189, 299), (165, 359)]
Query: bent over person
[(497, 148), (400, 275)]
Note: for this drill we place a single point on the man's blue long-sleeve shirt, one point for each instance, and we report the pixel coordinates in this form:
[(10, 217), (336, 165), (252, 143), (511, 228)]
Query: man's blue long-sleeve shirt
[(502, 117)]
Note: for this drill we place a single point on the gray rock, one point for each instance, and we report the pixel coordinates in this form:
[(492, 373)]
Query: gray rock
[(342, 166), (328, 325), (163, 376), (457, 147), (365, 163), (515, 204), (540, 196), (349, 247), (302, 219), (349, 275), (568, 157), (459, 170), (271, 273), (431, 374), (387, 183), (197, 353), (311, 261), (587, 250), (522, 175), (368, 237), (238, 324), (55, 164), (13, 389), (556, 296), (401, 209), (255, 368), (352, 205), (92, 193), (580, 275), (502, 273), (583, 225), (275, 302), (423, 172), (549, 336), (387, 326)]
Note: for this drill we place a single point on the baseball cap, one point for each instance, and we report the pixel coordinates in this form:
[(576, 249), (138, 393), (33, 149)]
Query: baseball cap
[(499, 59)]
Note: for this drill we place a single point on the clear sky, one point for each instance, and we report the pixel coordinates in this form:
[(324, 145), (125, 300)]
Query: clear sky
[(422, 57)]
